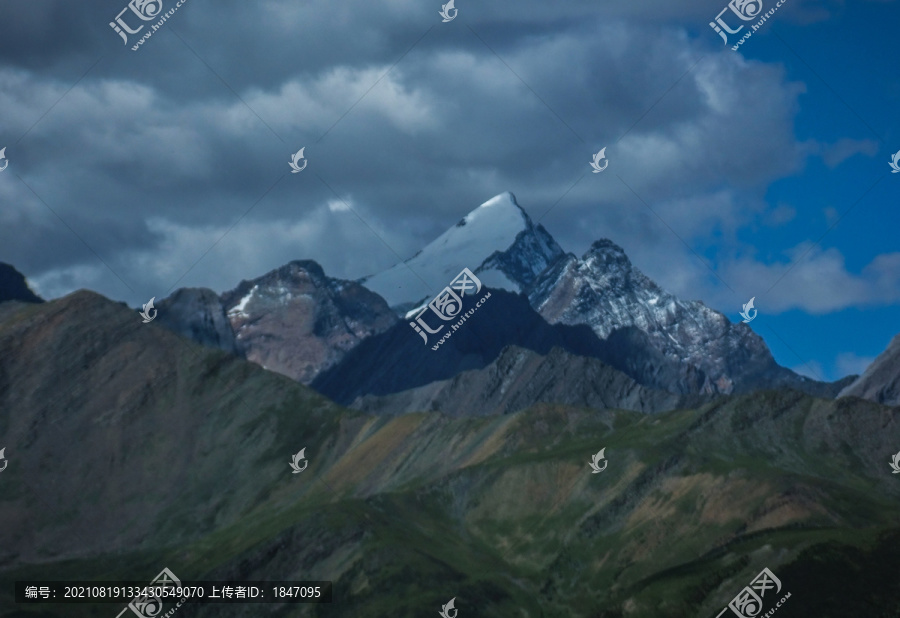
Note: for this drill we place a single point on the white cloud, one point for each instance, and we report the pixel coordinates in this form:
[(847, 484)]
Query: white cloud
[(848, 363), (835, 154), (819, 282)]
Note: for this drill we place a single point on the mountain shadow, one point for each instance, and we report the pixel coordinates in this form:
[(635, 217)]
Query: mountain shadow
[(397, 359)]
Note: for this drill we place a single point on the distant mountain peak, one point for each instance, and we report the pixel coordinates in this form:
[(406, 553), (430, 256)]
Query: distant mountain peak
[(296, 320), (880, 382), (310, 266), (608, 251), (14, 287), (605, 291), (503, 201), (498, 241)]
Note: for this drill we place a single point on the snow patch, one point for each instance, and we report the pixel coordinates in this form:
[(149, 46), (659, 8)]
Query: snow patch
[(491, 227), (238, 310)]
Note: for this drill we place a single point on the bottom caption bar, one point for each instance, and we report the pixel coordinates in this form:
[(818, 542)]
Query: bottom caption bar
[(142, 597)]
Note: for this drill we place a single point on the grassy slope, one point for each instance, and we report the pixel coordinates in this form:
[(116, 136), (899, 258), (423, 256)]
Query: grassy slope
[(503, 513)]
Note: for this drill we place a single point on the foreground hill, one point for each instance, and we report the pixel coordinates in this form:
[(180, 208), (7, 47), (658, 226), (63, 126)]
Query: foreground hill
[(131, 449)]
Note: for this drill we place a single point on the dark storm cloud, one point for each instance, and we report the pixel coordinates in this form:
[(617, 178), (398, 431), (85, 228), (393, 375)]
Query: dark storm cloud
[(156, 154)]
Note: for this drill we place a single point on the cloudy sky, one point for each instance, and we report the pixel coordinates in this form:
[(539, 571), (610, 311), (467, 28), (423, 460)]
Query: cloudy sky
[(761, 172)]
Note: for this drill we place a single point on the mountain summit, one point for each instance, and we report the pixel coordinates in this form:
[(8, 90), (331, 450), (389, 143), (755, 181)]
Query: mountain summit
[(297, 321), (663, 342), (497, 241), (14, 287), (605, 291)]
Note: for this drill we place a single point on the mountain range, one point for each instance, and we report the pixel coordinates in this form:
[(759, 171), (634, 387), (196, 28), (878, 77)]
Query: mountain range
[(339, 334), (294, 320), (131, 449)]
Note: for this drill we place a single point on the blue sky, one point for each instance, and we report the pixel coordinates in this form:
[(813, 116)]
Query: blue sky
[(849, 67), (133, 172)]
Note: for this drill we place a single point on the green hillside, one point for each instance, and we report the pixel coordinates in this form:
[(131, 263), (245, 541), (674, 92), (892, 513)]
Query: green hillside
[(157, 453)]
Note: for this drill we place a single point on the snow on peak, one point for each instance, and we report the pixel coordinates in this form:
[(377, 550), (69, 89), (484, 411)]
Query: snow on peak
[(239, 309), (492, 227)]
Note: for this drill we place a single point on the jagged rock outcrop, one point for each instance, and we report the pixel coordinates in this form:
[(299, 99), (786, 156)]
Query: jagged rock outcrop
[(198, 313), (296, 321), (605, 291)]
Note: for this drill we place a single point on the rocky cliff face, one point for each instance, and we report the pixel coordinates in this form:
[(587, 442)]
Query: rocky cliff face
[(880, 382), (198, 314), (298, 322), (605, 291)]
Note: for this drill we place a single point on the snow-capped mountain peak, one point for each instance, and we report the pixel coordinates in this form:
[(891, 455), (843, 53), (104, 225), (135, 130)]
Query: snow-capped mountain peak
[(497, 241), (605, 291)]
